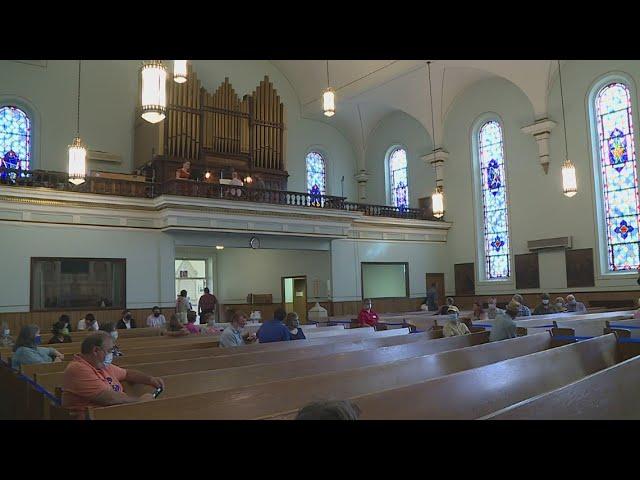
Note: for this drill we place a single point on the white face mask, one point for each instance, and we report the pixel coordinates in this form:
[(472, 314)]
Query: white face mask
[(108, 359), (545, 302), (492, 306), (559, 304), (114, 335), (6, 332)]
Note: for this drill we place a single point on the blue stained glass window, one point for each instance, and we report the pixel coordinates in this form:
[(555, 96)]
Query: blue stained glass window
[(316, 176), (619, 178), (398, 178), (494, 202), (15, 138)]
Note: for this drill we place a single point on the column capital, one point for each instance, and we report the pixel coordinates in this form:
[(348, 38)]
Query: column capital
[(361, 176), (436, 158), (541, 131)]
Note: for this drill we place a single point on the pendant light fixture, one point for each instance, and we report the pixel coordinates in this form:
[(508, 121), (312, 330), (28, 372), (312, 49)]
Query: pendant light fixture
[(179, 71), (437, 198), (77, 151), (154, 91), (569, 181), (329, 98)]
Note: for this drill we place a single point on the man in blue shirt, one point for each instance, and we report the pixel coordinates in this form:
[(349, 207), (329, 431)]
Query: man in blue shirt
[(274, 330)]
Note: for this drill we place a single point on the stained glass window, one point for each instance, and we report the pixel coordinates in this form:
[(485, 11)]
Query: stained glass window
[(494, 201), (316, 176), (619, 177), (15, 138), (398, 178)]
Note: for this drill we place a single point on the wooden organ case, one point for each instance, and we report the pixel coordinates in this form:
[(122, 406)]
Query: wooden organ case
[(216, 132)]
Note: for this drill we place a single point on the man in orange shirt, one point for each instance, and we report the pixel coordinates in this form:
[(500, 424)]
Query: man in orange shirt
[(367, 317), (90, 380)]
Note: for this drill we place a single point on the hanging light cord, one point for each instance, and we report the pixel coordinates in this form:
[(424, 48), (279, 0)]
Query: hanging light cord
[(78, 116), (564, 121), (328, 84), (433, 125), (361, 129)]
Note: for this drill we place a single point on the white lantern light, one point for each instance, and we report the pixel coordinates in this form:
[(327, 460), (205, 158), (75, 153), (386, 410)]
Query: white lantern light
[(154, 91), (179, 71), (569, 182), (329, 102), (437, 203), (77, 161)]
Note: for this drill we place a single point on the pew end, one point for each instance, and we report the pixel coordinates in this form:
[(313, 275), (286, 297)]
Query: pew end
[(559, 336)]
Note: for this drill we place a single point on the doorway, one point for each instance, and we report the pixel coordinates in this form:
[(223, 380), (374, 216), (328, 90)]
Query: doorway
[(294, 296), (438, 279)]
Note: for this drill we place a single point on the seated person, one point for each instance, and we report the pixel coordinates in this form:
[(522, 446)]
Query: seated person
[(274, 330), (493, 309), (445, 308), (544, 307), (232, 336), (65, 321), (184, 172), (574, 306), (27, 352), (156, 319), (191, 322), (293, 324), (367, 316), (89, 322), (258, 182), (211, 328), (454, 326), (111, 329), (636, 314), (127, 321), (478, 312), (58, 334), (175, 328), (524, 310), (330, 410), (91, 380), (235, 180), (560, 305), (504, 325)]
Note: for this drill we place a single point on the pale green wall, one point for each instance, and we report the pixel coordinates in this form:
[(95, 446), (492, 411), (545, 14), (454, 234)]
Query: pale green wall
[(398, 128), (110, 94), (383, 281), (537, 207)]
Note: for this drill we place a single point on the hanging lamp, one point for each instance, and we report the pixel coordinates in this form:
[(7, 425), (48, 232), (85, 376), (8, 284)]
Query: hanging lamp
[(437, 198), (329, 98), (77, 151), (179, 71), (569, 181), (154, 91)]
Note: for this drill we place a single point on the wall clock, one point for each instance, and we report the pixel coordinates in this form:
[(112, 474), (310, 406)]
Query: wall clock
[(254, 242)]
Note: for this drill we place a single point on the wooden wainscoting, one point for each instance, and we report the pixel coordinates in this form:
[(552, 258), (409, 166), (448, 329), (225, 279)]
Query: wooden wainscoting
[(607, 299)]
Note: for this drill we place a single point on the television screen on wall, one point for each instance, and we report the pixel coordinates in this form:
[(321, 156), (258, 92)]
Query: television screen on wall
[(385, 280)]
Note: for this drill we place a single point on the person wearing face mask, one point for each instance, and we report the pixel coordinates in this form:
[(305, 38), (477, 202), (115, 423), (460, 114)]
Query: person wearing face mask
[(89, 322), (367, 316), (91, 380), (156, 319), (478, 312), (454, 326), (110, 328), (574, 306), (65, 321), (27, 351), (293, 323), (126, 321), (59, 335), (560, 306), (445, 308), (545, 307), (493, 311)]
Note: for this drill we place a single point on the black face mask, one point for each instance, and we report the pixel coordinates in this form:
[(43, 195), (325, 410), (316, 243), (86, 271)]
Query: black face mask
[(127, 317), (156, 314)]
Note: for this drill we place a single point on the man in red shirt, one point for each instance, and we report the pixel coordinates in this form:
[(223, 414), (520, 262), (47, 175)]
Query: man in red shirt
[(207, 303), (367, 317)]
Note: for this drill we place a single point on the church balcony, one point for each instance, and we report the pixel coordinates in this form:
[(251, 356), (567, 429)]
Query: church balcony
[(175, 204)]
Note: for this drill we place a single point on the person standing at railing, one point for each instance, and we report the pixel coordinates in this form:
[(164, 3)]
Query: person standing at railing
[(235, 180), (184, 173)]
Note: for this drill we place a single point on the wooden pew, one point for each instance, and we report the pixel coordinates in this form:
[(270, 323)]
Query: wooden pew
[(610, 394), (52, 380), (477, 392), (259, 401), (207, 381)]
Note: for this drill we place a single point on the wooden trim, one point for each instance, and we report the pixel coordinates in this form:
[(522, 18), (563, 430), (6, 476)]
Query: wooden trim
[(123, 292), (406, 279)]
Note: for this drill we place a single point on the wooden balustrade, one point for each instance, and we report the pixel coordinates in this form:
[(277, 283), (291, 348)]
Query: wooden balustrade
[(191, 188)]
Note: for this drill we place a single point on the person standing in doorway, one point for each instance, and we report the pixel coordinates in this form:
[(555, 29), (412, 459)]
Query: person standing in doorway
[(432, 298), (182, 307), (207, 303)]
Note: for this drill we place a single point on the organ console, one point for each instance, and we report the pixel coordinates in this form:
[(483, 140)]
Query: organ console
[(217, 132)]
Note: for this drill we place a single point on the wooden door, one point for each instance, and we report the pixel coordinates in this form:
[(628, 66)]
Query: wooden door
[(298, 296), (438, 279)]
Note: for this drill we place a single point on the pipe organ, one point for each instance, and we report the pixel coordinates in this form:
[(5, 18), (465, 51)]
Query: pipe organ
[(217, 132)]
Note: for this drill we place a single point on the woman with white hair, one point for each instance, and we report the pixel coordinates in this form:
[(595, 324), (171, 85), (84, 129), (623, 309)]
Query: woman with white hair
[(574, 306)]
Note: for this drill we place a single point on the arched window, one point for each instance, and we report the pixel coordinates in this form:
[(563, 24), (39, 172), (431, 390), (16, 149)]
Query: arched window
[(616, 156), (493, 189), (398, 182), (316, 173), (15, 138)]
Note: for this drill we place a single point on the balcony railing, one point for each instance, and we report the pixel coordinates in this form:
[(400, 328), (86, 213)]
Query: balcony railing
[(191, 188)]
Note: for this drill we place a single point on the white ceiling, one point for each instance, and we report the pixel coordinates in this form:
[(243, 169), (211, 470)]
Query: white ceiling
[(380, 87)]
